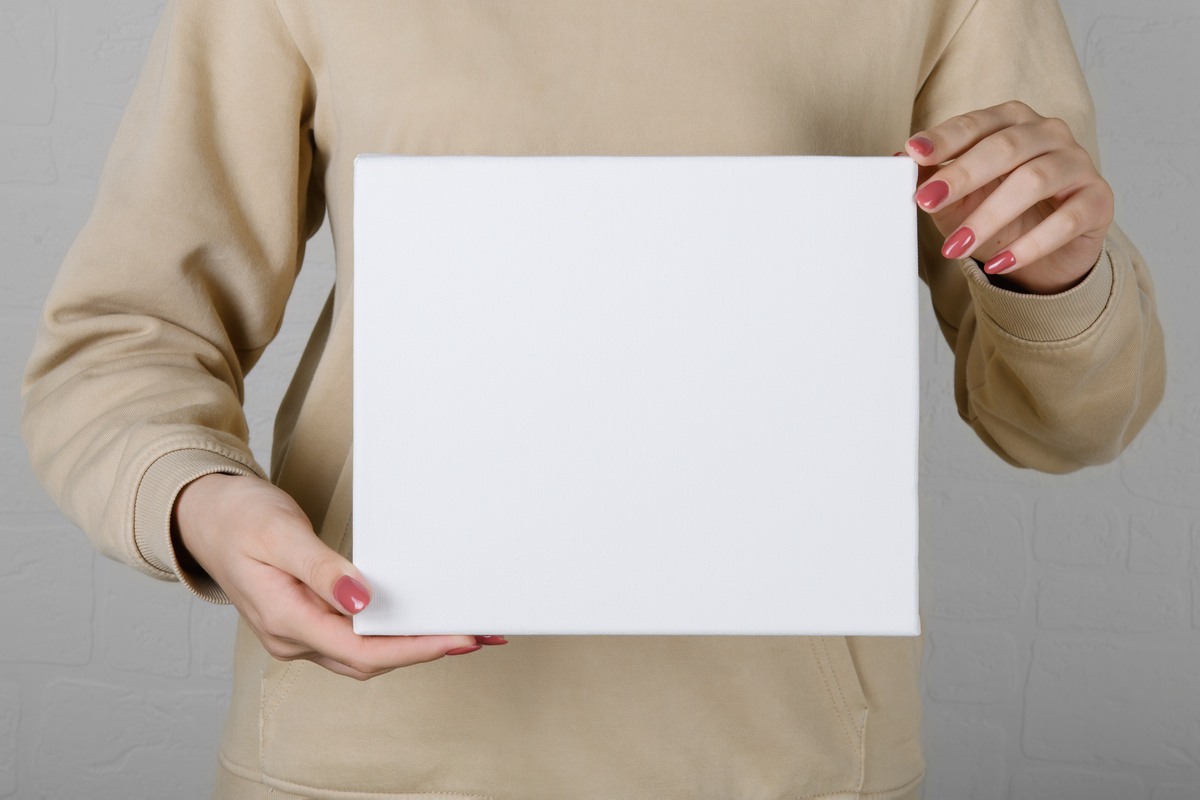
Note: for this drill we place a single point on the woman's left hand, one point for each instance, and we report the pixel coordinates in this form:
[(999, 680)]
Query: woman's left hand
[(1019, 193)]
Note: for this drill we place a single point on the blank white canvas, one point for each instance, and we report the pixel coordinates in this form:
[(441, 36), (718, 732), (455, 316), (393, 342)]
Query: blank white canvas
[(636, 394)]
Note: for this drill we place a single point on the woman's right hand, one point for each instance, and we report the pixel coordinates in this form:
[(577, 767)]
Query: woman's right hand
[(294, 592)]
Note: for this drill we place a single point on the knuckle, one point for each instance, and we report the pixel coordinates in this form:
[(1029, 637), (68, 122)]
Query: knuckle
[(1076, 217), (1075, 157), (309, 569), (365, 674), (1018, 109), (278, 650), (272, 633), (1059, 129), (356, 667), (1037, 176), (367, 671), (1105, 200), (1097, 212), (970, 124), (958, 176), (317, 571), (1007, 144), (271, 625)]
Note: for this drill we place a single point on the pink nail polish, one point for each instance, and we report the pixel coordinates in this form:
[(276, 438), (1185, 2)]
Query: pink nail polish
[(491, 640), (932, 194), (460, 650), (1001, 263), (921, 145), (351, 594), (959, 243)]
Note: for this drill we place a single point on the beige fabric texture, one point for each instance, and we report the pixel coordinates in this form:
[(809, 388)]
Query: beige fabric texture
[(240, 136)]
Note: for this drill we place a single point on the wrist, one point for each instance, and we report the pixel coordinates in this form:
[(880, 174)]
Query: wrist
[(194, 503)]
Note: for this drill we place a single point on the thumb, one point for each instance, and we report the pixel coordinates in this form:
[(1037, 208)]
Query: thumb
[(325, 571), (351, 594)]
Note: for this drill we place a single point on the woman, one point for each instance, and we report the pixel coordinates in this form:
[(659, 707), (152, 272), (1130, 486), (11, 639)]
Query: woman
[(241, 134)]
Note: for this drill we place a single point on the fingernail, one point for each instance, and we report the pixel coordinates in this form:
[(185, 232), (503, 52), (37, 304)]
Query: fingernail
[(491, 640), (932, 194), (958, 243), (458, 651), (351, 594), (1001, 263), (901, 153), (921, 145)]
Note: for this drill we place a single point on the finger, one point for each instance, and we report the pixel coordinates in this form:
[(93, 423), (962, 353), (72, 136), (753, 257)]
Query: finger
[(956, 135), (1044, 177), (1074, 219), (274, 603), (341, 669), (293, 621), (331, 634), (285, 649), (994, 157), (291, 546)]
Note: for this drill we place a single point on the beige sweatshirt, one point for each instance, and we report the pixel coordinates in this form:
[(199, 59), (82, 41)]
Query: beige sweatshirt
[(241, 135)]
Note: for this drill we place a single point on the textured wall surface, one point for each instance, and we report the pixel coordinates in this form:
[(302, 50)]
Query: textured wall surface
[(1063, 613)]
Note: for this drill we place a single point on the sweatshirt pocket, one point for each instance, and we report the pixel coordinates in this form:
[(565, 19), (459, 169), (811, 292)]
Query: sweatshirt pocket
[(585, 717), (832, 655), (279, 677), (636, 717)]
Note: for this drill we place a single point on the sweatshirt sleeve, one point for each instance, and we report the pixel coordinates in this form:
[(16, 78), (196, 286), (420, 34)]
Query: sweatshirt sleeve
[(1051, 382), (177, 282)]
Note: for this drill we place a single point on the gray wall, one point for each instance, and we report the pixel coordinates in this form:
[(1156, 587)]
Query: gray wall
[(1063, 614)]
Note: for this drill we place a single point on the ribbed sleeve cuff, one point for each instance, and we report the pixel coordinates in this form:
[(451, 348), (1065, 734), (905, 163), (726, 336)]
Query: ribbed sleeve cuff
[(1044, 317), (154, 502)]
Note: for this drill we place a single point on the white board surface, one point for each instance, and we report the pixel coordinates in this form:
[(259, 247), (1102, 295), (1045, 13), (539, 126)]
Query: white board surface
[(636, 394)]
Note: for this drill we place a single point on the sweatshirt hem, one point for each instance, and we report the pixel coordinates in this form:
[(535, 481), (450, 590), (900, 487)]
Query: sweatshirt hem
[(254, 776)]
